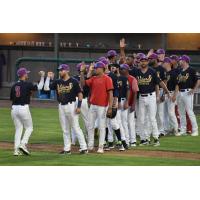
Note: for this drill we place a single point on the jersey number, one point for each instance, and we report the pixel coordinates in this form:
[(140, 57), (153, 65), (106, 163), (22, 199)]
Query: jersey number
[(17, 91)]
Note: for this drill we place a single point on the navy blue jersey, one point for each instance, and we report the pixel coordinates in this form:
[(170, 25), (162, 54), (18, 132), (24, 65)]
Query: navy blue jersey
[(123, 86), (86, 89), (133, 72), (21, 92), (161, 73), (67, 91), (172, 80), (188, 78), (177, 70), (115, 85), (147, 81)]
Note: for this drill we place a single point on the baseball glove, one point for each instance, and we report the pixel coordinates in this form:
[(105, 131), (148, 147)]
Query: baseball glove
[(112, 114)]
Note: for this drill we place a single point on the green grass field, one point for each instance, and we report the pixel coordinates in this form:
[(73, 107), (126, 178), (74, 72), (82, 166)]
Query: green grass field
[(47, 131)]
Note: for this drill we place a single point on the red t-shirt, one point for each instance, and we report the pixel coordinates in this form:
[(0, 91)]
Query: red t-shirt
[(99, 87), (133, 84)]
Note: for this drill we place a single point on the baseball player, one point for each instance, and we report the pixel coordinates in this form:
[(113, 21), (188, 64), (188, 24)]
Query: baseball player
[(133, 85), (67, 90), (153, 62), (188, 83), (112, 56), (20, 96), (147, 82), (112, 123), (101, 101), (84, 105), (171, 124), (177, 68), (161, 56)]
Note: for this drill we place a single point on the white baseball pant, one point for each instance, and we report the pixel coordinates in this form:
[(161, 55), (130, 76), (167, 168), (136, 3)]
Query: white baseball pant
[(124, 120), (137, 126), (84, 114), (160, 114), (148, 106), (21, 117), (186, 104), (131, 126), (69, 119), (96, 113), (112, 124), (119, 121), (170, 119)]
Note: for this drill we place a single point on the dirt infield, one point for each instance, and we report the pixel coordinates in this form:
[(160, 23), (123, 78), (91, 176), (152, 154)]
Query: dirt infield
[(129, 153)]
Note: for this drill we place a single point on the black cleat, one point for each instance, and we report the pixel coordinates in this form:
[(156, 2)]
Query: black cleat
[(144, 142), (106, 147), (111, 145), (65, 153), (125, 145), (85, 151), (156, 142)]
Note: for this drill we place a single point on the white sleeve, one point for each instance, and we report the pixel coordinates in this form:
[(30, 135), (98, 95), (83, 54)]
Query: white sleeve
[(41, 83), (46, 85)]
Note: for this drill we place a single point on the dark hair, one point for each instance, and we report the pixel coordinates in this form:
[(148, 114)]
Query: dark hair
[(113, 65), (110, 57), (130, 56)]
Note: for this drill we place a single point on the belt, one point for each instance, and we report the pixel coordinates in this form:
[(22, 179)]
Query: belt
[(70, 102), (19, 104), (123, 99), (145, 95), (185, 90)]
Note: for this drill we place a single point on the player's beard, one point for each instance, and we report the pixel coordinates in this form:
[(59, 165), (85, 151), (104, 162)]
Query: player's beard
[(144, 66)]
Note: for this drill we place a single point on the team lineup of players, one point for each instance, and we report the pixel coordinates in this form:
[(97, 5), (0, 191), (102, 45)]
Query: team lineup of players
[(144, 89)]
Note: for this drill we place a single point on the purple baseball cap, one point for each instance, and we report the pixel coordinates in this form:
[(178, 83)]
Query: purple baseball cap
[(63, 67), (153, 56), (144, 57), (174, 57), (167, 60), (99, 65), (111, 53), (103, 60), (22, 71), (124, 66), (185, 58), (139, 55), (160, 51)]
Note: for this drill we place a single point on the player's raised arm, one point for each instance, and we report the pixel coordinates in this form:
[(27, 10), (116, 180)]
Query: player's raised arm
[(122, 46), (82, 75), (41, 83), (48, 85), (91, 70)]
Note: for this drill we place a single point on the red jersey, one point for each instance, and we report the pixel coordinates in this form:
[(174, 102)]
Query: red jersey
[(133, 84), (99, 87)]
